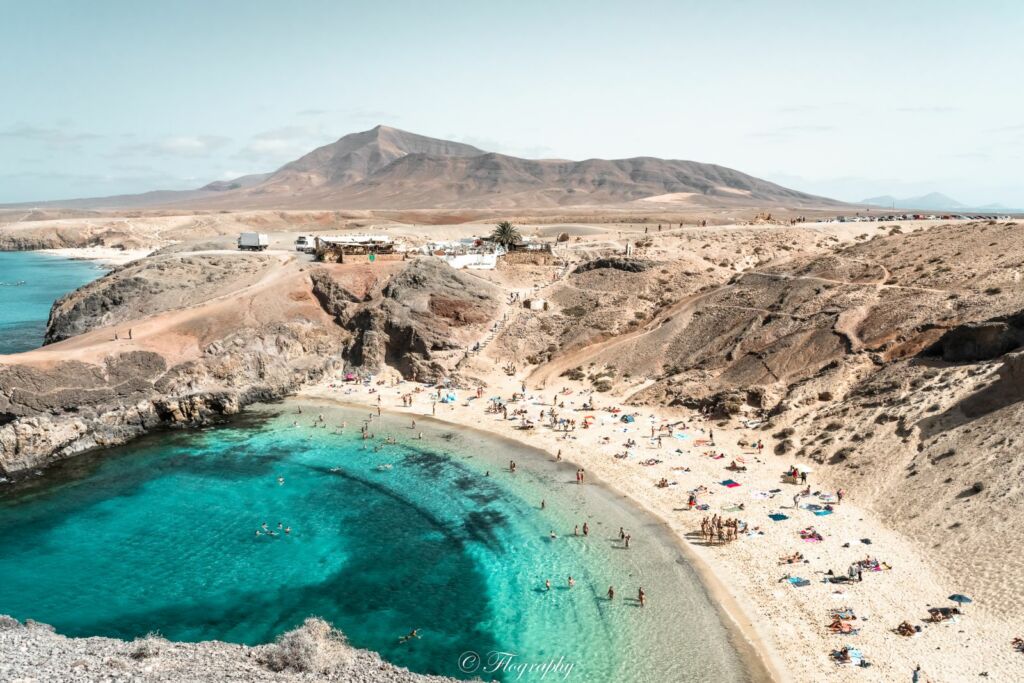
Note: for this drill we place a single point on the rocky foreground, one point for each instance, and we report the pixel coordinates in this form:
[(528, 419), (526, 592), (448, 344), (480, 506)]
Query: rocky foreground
[(314, 651)]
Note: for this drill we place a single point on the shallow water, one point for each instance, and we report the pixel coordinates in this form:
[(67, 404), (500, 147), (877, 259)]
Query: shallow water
[(160, 536), (29, 284)]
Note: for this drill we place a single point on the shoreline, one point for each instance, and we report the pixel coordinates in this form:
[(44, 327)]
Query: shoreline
[(785, 626), (759, 660), (107, 256)]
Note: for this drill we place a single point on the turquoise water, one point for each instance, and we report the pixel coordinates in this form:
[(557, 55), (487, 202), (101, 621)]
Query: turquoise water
[(160, 536), (24, 308)]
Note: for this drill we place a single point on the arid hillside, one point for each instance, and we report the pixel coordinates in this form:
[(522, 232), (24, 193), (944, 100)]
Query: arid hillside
[(890, 364), (387, 168)]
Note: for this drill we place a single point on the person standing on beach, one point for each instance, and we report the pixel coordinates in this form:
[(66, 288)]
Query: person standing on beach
[(611, 592), (586, 529), (916, 675), (641, 596), (626, 539), (622, 533)]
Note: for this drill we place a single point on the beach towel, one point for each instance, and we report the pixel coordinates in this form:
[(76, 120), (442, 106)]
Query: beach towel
[(777, 517), (760, 495), (798, 582), (680, 435), (729, 483), (732, 508), (822, 513)]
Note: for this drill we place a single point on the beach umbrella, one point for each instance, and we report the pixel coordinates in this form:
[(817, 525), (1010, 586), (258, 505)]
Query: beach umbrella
[(962, 599)]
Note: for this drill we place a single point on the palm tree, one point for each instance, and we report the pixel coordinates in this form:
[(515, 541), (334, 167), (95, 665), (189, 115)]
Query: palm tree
[(505, 234)]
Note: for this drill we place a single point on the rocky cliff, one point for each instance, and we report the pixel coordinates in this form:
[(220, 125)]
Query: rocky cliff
[(214, 332)]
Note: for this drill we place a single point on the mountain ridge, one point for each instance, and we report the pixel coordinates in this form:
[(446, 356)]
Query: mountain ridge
[(389, 168)]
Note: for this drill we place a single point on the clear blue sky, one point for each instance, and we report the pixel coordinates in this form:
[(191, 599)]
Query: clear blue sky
[(849, 99)]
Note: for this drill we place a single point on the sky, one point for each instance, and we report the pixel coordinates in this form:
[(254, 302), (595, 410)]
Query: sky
[(845, 99)]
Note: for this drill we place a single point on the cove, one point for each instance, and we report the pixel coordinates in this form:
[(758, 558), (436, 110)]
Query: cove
[(29, 284), (431, 533)]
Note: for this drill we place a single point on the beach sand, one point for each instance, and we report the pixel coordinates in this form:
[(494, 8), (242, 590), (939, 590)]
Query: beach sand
[(786, 625), (105, 255)]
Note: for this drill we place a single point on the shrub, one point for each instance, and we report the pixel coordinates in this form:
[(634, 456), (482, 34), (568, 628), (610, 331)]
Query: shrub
[(150, 646), (315, 647)]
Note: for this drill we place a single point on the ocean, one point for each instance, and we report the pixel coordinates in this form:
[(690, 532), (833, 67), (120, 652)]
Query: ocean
[(29, 284), (433, 534)]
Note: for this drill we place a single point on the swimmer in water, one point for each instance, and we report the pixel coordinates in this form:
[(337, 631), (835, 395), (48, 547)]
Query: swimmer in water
[(547, 584), (611, 592), (552, 534), (572, 581), (415, 633), (280, 481), (287, 530)]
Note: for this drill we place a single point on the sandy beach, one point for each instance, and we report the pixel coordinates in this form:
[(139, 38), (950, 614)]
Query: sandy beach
[(106, 255), (786, 625)]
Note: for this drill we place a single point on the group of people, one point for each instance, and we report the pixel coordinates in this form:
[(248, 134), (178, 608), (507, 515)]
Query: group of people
[(720, 529), (265, 530)]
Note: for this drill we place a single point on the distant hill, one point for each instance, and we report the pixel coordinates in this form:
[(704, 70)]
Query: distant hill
[(933, 201), (387, 168)]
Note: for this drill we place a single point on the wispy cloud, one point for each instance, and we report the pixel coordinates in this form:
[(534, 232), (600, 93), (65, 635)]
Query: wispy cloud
[(175, 146), (56, 137)]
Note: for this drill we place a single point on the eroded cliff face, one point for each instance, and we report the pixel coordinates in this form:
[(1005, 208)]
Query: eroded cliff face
[(418, 322), (49, 413), (215, 332)]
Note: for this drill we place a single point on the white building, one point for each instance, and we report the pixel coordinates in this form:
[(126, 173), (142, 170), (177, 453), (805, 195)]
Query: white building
[(465, 253)]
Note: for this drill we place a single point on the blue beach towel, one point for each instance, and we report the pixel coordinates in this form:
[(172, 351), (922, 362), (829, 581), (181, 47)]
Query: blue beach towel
[(777, 517), (822, 513)]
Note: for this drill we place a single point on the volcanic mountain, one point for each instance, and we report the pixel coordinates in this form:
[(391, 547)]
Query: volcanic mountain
[(387, 168)]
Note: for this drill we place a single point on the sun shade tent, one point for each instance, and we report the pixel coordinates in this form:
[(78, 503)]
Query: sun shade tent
[(627, 418)]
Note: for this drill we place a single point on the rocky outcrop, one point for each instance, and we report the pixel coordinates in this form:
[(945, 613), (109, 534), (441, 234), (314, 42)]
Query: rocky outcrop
[(52, 413), (978, 341), (424, 311), (418, 322), (314, 651), (150, 286), (628, 265)]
